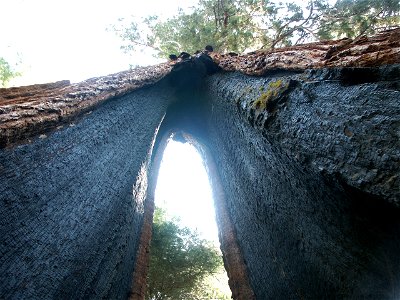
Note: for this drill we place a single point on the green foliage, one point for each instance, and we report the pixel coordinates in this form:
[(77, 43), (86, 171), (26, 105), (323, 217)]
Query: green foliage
[(239, 25), (352, 18), (6, 72), (180, 262)]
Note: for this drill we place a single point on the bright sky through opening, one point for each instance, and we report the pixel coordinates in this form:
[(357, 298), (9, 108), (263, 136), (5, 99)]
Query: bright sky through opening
[(183, 189), (57, 40)]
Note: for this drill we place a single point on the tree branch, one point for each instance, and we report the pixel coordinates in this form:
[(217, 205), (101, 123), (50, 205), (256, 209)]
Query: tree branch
[(283, 36)]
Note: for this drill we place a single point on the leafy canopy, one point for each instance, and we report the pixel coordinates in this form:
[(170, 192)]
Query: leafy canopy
[(239, 25), (6, 72), (180, 262)]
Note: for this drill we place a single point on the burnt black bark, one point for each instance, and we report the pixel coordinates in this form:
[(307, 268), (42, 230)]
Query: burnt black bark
[(70, 219), (311, 219)]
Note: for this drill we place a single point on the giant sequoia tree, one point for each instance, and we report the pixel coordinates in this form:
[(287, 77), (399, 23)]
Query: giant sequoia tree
[(239, 25)]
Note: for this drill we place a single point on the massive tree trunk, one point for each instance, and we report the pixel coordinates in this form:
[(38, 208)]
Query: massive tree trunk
[(302, 147)]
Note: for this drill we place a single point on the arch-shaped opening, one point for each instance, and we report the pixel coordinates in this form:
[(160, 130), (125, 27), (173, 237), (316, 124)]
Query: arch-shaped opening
[(189, 264), (232, 258), (184, 190)]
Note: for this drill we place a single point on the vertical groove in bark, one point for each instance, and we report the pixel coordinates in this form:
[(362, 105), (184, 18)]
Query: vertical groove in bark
[(139, 277), (233, 260), (143, 254)]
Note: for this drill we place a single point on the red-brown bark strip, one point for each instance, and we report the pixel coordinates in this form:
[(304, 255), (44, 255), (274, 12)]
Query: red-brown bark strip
[(31, 110), (378, 50), (233, 259), (139, 277), (139, 280)]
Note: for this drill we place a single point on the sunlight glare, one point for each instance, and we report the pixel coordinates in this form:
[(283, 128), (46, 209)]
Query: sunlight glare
[(55, 40), (183, 189)]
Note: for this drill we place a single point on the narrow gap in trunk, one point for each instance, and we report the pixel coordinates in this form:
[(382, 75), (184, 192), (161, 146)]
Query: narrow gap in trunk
[(185, 259)]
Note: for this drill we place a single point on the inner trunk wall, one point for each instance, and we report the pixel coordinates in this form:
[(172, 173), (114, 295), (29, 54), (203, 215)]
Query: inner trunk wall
[(302, 236), (70, 219), (70, 224)]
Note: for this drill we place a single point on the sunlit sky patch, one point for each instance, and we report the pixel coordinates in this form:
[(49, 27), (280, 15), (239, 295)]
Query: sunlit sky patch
[(184, 190), (57, 40)]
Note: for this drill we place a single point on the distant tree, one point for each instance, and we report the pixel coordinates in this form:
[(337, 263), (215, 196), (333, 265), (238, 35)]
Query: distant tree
[(318, 20), (239, 25), (224, 24), (6, 72), (352, 18), (180, 262)]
